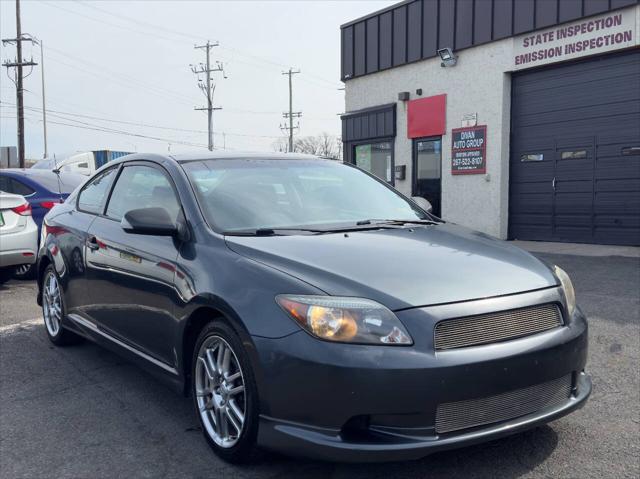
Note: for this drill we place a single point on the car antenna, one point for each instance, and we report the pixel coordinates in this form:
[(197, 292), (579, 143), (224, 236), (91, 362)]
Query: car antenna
[(56, 170)]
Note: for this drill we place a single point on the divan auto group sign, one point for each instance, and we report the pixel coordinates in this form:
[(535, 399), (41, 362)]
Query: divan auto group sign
[(613, 31), (469, 150)]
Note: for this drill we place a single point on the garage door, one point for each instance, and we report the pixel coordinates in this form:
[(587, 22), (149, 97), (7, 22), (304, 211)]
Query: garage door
[(575, 152)]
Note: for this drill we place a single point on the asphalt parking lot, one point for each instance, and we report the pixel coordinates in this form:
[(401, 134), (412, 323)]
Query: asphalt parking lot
[(83, 412)]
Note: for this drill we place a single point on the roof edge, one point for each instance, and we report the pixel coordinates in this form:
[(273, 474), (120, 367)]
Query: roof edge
[(376, 13)]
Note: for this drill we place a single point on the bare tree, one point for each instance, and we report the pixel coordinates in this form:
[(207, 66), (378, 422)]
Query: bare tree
[(324, 145), (281, 145)]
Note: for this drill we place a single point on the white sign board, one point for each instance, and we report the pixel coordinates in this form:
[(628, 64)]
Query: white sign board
[(469, 119), (612, 31)]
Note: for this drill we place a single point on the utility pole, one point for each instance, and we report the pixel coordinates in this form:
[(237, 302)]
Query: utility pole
[(18, 63), (208, 88), (291, 114), (44, 107)]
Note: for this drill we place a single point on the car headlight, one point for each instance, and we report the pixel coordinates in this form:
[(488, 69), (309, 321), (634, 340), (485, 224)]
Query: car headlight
[(347, 320), (567, 286)]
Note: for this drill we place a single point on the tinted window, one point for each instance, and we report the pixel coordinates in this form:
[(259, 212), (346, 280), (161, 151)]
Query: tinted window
[(428, 159), (93, 196), (11, 185), (249, 194), (19, 188), (4, 184), (142, 187)]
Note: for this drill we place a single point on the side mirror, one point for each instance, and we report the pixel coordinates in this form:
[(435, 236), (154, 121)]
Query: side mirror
[(149, 221), (423, 203)]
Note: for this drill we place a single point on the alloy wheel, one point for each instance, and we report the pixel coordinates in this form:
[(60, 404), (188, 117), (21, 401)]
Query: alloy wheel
[(220, 391), (52, 304), (22, 270)]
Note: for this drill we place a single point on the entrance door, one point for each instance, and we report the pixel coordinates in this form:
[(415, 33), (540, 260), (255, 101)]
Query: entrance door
[(427, 170)]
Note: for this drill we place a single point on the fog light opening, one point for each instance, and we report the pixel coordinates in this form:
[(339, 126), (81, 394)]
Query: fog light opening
[(356, 428)]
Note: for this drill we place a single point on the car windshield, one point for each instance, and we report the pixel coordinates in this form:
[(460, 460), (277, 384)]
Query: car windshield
[(239, 195)]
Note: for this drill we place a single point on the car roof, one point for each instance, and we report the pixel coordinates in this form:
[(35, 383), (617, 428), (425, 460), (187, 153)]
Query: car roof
[(35, 172), (241, 155), (215, 155), (211, 155), (46, 180)]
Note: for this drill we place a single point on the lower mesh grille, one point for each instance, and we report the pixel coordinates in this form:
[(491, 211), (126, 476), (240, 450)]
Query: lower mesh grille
[(458, 415), (496, 327)]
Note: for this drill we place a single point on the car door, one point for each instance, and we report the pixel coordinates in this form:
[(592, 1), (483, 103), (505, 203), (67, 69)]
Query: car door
[(131, 276), (70, 229)]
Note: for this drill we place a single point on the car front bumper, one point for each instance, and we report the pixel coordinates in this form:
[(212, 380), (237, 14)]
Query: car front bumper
[(357, 403), (326, 445)]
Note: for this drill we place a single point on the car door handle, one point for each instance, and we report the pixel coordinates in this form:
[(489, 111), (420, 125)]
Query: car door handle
[(92, 243)]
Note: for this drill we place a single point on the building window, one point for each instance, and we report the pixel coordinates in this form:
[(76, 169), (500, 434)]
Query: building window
[(574, 155), (532, 157), (376, 158)]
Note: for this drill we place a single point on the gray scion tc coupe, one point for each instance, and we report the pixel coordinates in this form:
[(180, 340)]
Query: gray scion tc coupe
[(309, 308)]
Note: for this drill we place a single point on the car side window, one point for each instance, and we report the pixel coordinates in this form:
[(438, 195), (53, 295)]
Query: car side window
[(10, 185), (19, 188), (141, 186), (92, 197), (4, 184)]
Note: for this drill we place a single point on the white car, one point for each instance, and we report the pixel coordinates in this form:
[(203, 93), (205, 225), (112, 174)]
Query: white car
[(18, 232)]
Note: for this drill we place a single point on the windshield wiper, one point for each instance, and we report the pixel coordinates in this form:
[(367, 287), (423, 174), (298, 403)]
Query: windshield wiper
[(359, 226), (396, 222), (269, 231)]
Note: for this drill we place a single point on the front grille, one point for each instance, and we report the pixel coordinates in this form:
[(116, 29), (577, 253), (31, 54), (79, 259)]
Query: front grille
[(454, 416), (496, 327)]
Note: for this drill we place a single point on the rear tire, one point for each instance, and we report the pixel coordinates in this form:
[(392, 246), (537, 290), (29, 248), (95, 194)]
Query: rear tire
[(54, 311), (225, 396)]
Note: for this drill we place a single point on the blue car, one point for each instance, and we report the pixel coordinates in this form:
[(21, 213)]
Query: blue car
[(43, 189)]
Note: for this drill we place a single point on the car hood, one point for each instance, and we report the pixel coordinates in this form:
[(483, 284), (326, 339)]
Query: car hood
[(404, 267)]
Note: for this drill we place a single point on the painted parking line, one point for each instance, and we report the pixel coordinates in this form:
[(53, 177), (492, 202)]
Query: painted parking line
[(11, 328)]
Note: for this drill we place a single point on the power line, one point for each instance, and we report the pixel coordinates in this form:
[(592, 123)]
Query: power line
[(164, 29), (329, 84), (138, 22), (61, 114), (126, 81), (130, 82), (89, 126)]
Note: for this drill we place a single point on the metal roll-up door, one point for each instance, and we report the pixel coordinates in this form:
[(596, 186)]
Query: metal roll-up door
[(575, 152)]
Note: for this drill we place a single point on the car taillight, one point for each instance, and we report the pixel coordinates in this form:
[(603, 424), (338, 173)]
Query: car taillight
[(22, 210), (51, 230), (50, 204)]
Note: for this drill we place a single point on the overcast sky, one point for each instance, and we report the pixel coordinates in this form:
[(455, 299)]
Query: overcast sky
[(129, 62)]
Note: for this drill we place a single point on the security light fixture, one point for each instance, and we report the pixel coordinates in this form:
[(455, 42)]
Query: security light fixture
[(447, 57)]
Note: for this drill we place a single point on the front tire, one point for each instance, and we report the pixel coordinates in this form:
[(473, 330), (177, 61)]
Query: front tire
[(53, 310), (224, 393)]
